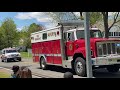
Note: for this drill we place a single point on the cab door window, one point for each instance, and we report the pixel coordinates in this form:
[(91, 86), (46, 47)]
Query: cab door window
[(65, 36), (70, 36)]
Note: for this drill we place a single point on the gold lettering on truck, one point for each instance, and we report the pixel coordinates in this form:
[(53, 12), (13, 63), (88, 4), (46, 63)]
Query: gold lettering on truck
[(70, 47)]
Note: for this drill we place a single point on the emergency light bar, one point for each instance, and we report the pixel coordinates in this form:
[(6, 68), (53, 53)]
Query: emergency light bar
[(72, 23)]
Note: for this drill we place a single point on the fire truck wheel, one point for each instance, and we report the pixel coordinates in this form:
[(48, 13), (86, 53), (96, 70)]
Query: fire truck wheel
[(43, 63), (80, 67), (113, 68)]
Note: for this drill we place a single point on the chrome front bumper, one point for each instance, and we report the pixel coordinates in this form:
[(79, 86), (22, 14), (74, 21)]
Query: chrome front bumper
[(108, 60)]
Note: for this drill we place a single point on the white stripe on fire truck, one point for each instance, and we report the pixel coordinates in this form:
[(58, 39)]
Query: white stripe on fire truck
[(35, 54), (59, 55), (53, 54)]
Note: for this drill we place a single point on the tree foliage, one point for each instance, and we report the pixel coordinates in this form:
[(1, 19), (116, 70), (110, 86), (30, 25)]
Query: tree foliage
[(94, 17), (11, 37), (1, 40), (105, 20), (8, 33)]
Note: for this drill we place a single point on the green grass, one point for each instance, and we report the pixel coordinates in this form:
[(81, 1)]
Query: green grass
[(4, 75), (26, 55)]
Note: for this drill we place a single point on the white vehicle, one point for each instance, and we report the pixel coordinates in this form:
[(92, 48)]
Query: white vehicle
[(10, 54)]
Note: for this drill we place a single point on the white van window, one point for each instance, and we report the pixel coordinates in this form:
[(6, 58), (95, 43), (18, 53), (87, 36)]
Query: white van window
[(44, 36)]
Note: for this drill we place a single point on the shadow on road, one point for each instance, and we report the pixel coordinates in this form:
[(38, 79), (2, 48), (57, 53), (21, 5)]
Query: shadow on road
[(98, 73), (59, 69), (103, 73), (12, 61)]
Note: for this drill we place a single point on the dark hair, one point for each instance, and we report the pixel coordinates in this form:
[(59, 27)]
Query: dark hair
[(25, 72), (68, 75), (15, 68)]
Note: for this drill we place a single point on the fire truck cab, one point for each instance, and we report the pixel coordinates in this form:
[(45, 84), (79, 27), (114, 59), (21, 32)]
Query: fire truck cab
[(66, 48)]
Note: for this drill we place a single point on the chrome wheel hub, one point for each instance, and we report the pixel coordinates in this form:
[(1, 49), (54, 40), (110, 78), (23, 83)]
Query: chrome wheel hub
[(79, 67), (42, 63)]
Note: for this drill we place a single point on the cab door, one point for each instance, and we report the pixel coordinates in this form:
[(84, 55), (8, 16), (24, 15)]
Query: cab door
[(70, 44)]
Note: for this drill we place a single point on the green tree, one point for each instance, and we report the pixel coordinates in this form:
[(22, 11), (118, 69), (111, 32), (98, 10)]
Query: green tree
[(35, 27), (105, 19), (94, 17), (23, 36), (9, 32), (1, 40), (32, 28)]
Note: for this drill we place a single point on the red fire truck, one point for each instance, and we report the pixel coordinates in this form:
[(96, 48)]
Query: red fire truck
[(66, 48)]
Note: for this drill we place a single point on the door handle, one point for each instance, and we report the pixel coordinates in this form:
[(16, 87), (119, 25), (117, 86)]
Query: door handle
[(77, 46)]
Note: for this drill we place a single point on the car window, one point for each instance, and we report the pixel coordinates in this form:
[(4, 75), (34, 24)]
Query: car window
[(11, 51), (3, 52)]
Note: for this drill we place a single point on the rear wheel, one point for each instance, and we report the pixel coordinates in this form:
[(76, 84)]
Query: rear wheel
[(113, 68), (80, 67), (43, 63)]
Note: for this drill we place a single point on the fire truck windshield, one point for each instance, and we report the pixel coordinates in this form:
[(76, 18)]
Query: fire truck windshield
[(93, 34)]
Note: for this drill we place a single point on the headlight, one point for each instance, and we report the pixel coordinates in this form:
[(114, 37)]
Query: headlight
[(18, 55), (9, 56)]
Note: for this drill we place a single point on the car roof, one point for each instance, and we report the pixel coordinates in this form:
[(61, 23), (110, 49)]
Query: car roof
[(9, 49)]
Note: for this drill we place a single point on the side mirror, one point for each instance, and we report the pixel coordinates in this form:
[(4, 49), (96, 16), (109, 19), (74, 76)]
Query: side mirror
[(103, 33)]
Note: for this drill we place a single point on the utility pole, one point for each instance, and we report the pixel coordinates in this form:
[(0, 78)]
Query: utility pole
[(87, 45)]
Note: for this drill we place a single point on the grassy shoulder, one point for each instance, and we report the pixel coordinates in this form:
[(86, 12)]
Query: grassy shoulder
[(4, 75), (26, 55)]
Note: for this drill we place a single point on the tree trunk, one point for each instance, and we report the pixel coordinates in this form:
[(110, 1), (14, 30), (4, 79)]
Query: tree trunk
[(105, 19)]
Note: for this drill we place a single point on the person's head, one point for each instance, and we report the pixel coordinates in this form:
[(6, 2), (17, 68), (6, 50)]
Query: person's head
[(68, 75), (25, 72), (15, 68)]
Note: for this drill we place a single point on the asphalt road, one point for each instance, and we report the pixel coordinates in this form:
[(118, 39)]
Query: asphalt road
[(56, 71), (51, 72)]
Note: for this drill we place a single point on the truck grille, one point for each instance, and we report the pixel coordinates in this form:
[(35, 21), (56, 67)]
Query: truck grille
[(13, 55), (106, 48)]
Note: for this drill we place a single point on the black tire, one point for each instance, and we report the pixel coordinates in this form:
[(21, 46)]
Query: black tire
[(113, 69), (80, 67), (43, 64), (20, 60)]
